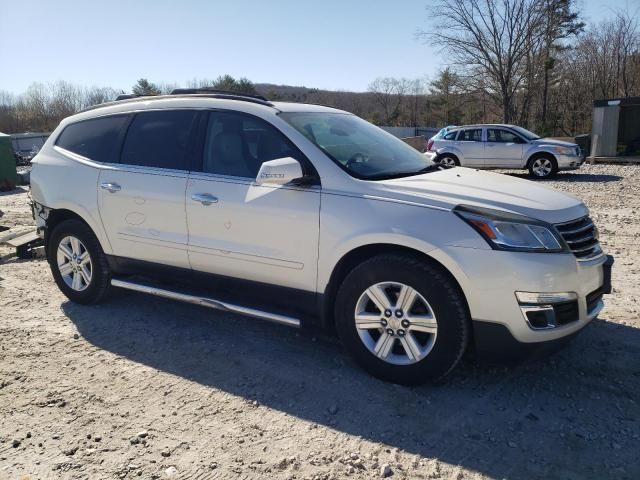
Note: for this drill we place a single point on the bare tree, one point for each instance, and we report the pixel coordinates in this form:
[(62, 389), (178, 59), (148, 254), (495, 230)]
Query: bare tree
[(388, 93), (492, 37)]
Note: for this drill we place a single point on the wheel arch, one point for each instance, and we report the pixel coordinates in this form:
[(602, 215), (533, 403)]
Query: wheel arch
[(450, 153), (58, 215), (356, 256), (540, 154)]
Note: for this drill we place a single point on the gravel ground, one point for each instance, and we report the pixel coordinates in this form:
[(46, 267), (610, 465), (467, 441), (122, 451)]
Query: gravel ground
[(140, 387)]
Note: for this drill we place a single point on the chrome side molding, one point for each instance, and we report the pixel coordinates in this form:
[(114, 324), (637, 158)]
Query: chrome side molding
[(206, 302)]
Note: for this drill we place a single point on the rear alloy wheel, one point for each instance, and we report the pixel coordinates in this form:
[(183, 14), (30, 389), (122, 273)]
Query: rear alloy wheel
[(402, 319), (78, 264), (542, 167), (74, 263), (448, 161)]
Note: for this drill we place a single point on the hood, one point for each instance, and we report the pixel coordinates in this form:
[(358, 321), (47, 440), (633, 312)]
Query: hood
[(555, 143), (466, 186)]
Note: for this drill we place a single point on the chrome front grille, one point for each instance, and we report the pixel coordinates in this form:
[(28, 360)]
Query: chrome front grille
[(582, 238)]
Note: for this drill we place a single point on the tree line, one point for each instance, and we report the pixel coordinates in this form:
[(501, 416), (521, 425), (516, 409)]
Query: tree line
[(531, 62)]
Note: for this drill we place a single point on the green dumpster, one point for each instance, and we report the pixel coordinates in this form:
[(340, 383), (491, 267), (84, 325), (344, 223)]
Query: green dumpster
[(8, 174)]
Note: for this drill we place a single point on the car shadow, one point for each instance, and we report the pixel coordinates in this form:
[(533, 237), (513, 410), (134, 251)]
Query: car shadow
[(518, 421), (570, 177), (19, 189)]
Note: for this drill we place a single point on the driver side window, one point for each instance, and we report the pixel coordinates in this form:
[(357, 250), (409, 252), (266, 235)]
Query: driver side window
[(236, 145), (502, 136)]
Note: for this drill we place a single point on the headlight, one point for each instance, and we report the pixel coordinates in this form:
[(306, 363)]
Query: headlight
[(564, 150), (504, 231)]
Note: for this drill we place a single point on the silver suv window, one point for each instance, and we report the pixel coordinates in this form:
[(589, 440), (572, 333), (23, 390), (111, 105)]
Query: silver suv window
[(470, 135), (451, 135), (499, 135)]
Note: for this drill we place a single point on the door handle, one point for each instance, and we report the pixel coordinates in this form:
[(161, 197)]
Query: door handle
[(111, 187), (204, 198)]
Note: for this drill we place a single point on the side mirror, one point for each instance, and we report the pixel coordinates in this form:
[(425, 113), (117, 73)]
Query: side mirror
[(279, 172)]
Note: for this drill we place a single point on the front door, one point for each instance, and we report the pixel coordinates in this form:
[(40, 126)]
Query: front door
[(240, 229), (503, 149), (141, 199)]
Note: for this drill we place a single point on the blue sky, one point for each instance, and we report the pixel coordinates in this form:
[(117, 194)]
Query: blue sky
[(334, 44)]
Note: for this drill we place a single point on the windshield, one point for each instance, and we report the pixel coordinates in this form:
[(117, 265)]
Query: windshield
[(526, 133), (362, 149)]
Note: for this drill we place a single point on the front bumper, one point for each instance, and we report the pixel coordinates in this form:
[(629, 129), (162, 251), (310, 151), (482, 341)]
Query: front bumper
[(495, 341), (491, 278), (569, 162)]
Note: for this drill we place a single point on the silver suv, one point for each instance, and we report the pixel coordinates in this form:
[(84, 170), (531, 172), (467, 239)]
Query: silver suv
[(504, 146)]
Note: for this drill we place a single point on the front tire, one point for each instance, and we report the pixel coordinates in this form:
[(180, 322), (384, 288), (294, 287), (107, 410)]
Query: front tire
[(543, 166), (402, 319), (78, 264)]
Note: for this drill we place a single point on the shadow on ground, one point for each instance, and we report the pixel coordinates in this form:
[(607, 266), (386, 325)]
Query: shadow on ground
[(571, 416), (15, 191)]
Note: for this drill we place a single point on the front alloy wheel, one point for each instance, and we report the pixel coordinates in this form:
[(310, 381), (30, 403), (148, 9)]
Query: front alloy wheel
[(542, 167), (74, 263), (395, 323), (402, 318)]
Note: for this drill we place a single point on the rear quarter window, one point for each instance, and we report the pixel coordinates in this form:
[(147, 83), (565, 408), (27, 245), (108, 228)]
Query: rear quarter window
[(450, 135), (96, 139)]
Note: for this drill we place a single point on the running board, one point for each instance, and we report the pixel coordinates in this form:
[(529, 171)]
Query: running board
[(205, 302)]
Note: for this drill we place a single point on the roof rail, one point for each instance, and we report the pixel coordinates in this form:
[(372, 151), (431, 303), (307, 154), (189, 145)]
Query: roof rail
[(126, 96), (209, 90)]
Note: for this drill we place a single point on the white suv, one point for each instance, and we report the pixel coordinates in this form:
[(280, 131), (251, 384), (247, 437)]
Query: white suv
[(504, 146), (307, 215)]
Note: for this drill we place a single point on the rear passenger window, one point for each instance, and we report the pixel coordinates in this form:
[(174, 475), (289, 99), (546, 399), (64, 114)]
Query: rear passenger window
[(159, 139), (95, 139), (471, 135)]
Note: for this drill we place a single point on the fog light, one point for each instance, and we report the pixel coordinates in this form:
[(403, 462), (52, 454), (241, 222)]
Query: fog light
[(543, 311)]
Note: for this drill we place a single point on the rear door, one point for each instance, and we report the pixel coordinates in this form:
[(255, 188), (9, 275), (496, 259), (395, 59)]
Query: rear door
[(142, 198), (237, 228), (469, 142), (503, 148)]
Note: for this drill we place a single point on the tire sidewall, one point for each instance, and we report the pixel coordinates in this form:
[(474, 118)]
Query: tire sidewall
[(99, 275), (437, 290), (554, 166), (452, 157)]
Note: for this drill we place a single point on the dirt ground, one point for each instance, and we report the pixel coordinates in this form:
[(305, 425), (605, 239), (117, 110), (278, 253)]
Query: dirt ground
[(141, 387)]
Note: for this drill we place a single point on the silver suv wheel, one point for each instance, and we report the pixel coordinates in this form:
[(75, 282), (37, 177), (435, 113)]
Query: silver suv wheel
[(542, 167), (447, 162), (395, 323), (74, 263)]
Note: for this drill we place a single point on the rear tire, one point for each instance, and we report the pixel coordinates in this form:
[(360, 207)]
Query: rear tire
[(543, 166), (422, 331), (448, 160), (78, 263)]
